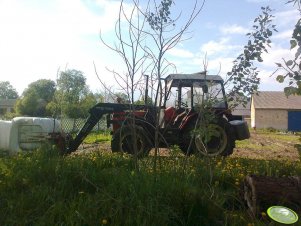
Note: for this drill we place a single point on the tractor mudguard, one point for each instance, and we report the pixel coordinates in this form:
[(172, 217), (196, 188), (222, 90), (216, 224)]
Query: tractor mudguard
[(241, 129)]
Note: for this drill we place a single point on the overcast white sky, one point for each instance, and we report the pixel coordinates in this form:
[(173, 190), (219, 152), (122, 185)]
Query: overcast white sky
[(40, 37)]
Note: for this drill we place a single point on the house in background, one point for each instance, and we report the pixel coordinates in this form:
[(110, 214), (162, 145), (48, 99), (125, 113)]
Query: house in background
[(244, 112), (7, 105), (271, 109)]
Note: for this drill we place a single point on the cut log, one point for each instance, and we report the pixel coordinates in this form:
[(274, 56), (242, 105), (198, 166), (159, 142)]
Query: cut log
[(261, 192)]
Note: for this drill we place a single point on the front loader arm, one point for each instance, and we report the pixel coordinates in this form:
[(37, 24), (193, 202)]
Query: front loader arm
[(82, 134), (96, 114)]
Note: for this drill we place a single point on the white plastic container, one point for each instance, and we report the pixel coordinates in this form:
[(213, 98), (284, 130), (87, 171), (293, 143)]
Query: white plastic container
[(5, 128), (26, 133)]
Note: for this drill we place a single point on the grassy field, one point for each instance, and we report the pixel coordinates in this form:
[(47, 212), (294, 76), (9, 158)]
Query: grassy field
[(95, 137), (101, 188)]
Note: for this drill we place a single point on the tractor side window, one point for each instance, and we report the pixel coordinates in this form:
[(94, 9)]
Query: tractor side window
[(172, 97), (215, 94), (186, 97), (197, 95)]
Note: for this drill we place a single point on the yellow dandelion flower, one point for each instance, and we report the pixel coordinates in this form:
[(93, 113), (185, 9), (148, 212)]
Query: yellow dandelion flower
[(24, 181), (263, 214), (104, 221)]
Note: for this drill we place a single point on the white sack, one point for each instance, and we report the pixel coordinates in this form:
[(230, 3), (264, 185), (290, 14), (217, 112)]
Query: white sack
[(28, 133), (5, 128)]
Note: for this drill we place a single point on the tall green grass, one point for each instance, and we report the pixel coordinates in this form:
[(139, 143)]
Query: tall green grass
[(100, 188), (97, 137)]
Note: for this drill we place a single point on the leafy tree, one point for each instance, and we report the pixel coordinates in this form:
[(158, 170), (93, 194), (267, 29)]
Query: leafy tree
[(28, 104), (99, 97), (121, 98), (142, 102), (291, 69), (86, 103), (71, 86), (45, 89), (7, 91), (35, 98), (72, 97), (243, 78)]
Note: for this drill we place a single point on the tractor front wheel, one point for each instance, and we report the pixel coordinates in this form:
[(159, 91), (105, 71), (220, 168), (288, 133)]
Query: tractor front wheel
[(131, 139)]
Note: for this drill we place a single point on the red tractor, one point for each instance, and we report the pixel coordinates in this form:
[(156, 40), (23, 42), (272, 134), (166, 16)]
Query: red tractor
[(182, 119)]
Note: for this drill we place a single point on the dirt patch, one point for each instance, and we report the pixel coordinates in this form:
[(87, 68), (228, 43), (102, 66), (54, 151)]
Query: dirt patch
[(268, 146), (87, 148), (261, 145), (105, 146)]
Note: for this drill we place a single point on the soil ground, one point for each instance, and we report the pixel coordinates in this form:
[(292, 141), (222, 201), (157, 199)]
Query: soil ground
[(261, 145)]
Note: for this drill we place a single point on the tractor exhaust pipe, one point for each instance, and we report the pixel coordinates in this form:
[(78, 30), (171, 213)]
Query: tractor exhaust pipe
[(146, 91)]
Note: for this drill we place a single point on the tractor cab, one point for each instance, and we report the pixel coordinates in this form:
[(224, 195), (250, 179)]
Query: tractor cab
[(186, 93)]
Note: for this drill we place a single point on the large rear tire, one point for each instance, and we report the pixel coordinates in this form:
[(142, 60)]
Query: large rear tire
[(221, 141), (125, 138)]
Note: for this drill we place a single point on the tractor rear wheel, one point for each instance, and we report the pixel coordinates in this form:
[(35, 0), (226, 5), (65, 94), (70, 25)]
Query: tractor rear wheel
[(220, 142), (130, 137)]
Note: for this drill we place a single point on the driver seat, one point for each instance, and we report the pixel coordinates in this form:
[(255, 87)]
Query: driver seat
[(169, 114), (180, 117)]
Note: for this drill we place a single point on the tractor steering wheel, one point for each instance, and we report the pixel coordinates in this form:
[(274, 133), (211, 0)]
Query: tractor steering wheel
[(183, 104)]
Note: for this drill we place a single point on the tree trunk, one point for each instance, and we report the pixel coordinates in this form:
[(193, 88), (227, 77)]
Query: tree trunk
[(262, 192)]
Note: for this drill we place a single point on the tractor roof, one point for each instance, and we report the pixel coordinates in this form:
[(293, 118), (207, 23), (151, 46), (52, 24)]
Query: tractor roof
[(194, 76)]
